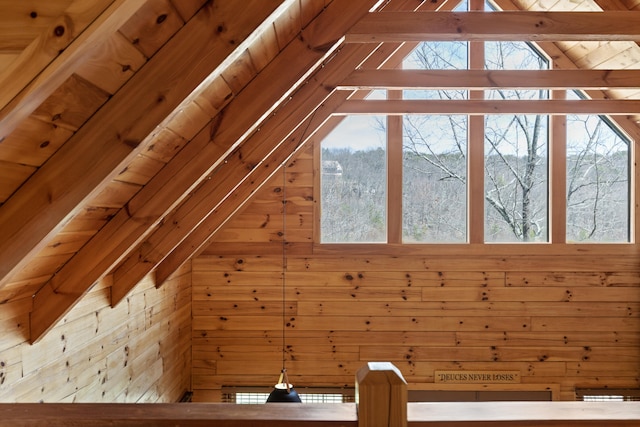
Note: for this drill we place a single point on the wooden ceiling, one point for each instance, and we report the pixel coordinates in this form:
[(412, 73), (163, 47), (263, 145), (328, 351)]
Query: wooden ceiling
[(132, 130)]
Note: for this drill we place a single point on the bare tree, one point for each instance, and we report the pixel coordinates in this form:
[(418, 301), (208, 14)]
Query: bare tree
[(516, 167)]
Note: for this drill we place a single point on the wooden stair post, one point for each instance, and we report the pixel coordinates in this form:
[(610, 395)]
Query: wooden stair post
[(381, 396)]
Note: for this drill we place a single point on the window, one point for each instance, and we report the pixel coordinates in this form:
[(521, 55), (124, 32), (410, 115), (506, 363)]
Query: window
[(354, 177), (608, 395), (407, 178), (258, 395), (598, 170)]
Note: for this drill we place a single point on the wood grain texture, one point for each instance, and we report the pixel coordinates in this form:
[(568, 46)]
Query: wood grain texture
[(557, 319), (143, 104), (522, 26), (139, 352)]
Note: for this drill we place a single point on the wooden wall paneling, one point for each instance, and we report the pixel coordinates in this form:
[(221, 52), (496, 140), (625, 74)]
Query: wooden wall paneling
[(580, 278), (139, 171), (543, 338), (12, 175), (592, 54), (52, 57), (474, 262), (85, 341), (310, 9), (288, 25), (535, 326), (264, 49), (551, 294), (603, 324), (122, 219), (188, 8), (111, 66), (238, 74), (294, 139), (66, 243), (173, 56), (33, 142), (197, 207), (215, 96), (71, 104), (22, 23), (466, 308), (151, 26)]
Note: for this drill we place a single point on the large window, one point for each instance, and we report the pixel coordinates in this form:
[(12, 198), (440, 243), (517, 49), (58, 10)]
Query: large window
[(408, 178), (354, 182)]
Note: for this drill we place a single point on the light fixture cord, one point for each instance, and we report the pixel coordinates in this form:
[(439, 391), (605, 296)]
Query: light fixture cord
[(284, 263)]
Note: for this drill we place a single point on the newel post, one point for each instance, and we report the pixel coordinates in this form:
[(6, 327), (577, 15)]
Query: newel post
[(381, 396)]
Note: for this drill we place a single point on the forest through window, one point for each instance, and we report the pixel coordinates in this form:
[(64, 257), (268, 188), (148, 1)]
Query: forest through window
[(358, 167)]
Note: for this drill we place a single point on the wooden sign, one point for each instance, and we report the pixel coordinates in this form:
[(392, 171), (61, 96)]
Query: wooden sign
[(477, 377)]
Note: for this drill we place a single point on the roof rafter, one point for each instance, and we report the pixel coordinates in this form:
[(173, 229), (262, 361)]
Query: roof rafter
[(489, 106), (489, 79), (317, 41), (146, 100), (306, 116), (56, 54), (511, 26)]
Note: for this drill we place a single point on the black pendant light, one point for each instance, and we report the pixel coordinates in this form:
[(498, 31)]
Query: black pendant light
[(283, 391)]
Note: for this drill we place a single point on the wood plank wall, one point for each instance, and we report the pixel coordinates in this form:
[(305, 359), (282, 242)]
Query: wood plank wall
[(562, 319), (139, 351)]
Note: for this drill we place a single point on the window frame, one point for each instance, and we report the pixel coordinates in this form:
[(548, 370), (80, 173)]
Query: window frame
[(475, 187)]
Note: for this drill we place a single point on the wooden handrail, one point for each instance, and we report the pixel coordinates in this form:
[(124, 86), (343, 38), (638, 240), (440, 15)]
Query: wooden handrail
[(436, 414), (177, 414), (381, 396), (524, 414)]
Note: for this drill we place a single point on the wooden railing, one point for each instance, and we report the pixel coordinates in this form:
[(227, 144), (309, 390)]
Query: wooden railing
[(382, 395)]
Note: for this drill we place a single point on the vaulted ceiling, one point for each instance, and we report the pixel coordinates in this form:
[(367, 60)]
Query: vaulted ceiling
[(132, 130)]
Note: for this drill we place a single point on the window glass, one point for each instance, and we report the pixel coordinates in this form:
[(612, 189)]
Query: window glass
[(598, 202), (354, 182), (516, 195), (434, 173), (437, 56), (516, 160)]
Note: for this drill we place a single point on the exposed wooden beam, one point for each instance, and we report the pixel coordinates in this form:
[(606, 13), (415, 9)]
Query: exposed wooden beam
[(115, 132), (287, 125), (51, 59), (477, 107), (510, 26), (246, 112), (305, 116), (561, 61), (489, 79)]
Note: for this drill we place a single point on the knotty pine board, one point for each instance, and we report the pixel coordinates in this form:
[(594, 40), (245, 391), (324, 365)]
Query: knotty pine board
[(138, 351), (560, 316)]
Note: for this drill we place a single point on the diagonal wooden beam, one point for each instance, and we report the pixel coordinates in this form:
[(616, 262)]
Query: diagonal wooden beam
[(53, 57), (116, 130), (490, 26), (106, 143), (231, 200), (489, 79), (291, 126), (283, 134), (304, 54), (482, 107)]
